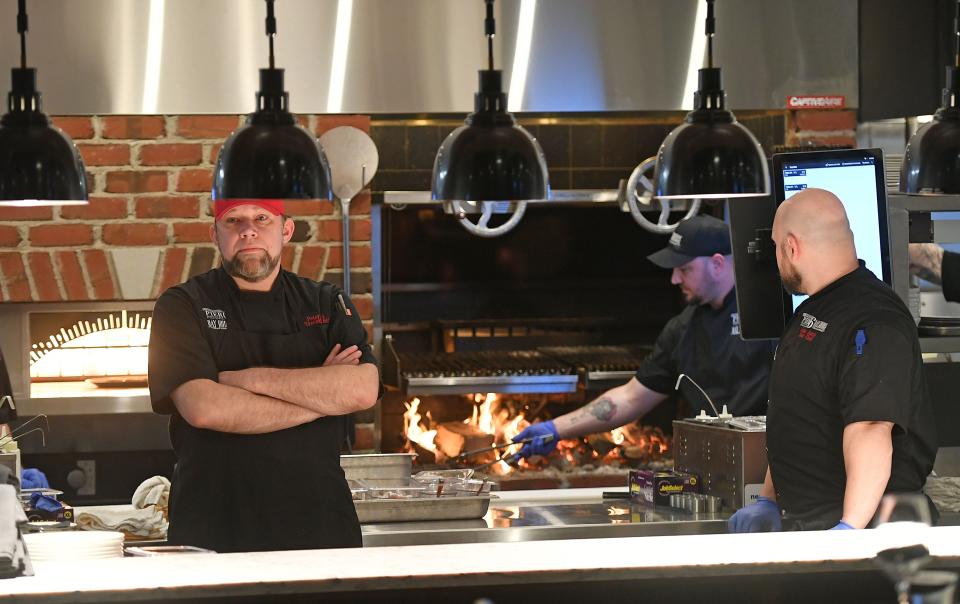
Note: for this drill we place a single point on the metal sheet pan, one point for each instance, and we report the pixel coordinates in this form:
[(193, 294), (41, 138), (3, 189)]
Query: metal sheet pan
[(421, 509), (377, 465)]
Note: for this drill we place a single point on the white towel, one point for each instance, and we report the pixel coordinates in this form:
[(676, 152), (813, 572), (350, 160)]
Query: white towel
[(148, 522), (152, 491), (143, 517)]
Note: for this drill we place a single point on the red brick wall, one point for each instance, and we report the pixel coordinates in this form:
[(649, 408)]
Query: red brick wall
[(150, 178), (821, 127)]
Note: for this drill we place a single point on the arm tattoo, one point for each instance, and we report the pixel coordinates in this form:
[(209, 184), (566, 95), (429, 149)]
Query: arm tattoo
[(603, 409)]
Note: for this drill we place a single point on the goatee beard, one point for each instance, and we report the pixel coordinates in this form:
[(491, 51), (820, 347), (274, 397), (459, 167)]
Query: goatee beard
[(253, 267)]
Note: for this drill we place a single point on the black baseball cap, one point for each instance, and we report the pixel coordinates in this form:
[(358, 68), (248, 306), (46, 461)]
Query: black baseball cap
[(699, 236)]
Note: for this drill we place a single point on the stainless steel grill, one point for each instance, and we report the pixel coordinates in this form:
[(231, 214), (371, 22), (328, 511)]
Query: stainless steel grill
[(553, 369), (601, 367)]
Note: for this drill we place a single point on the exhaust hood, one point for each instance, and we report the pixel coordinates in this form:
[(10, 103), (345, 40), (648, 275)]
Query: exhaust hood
[(421, 56)]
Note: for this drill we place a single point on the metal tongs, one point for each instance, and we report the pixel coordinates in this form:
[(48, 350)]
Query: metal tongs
[(510, 459)]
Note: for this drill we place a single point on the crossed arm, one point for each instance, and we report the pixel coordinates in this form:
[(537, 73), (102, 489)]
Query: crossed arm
[(265, 399)]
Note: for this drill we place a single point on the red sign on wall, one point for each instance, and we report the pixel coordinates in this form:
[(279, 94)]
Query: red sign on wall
[(816, 102)]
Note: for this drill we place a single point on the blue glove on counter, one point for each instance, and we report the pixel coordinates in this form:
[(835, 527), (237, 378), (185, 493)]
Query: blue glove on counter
[(842, 526), (544, 437), (760, 517), (45, 503), (32, 478)]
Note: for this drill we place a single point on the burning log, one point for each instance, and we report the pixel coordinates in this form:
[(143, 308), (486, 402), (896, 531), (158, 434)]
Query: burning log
[(601, 444), (424, 456), (453, 438)]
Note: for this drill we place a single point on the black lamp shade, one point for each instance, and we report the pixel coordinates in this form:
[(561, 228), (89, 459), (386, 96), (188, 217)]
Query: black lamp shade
[(271, 156), (711, 156), (39, 164), (490, 160), (271, 161), (931, 162)]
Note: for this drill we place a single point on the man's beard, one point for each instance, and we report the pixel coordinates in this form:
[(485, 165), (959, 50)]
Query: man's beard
[(791, 280), (691, 298), (253, 267)]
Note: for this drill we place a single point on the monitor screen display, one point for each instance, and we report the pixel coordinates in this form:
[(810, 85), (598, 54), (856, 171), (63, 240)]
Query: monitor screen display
[(856, 177)]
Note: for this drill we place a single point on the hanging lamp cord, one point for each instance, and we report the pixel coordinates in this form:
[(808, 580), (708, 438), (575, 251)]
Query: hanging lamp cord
[(22, 30), (490, 30), (711, 28), (271, 28), (956, 36)]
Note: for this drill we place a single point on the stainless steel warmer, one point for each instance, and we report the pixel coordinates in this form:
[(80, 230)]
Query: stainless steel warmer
[(729, 456)]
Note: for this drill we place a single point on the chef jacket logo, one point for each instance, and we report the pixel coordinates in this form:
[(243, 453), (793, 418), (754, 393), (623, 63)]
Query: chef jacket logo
[(810, 326), (675, 239), (216, 319), (311, 320), (734, 324)]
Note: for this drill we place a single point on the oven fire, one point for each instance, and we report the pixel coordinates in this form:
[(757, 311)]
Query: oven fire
[(495, 420)]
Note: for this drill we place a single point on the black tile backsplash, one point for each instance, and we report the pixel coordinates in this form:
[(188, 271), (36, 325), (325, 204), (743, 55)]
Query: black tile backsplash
[(587, 146), (581, 153), (422, 144), (555, 142)]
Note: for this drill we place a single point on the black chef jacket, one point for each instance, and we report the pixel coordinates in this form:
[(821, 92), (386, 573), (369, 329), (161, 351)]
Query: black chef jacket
[(704, 343), (849, 354), (253, 492)]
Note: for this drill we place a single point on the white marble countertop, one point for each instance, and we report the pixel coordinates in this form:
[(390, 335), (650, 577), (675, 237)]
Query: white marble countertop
[(431, 566)]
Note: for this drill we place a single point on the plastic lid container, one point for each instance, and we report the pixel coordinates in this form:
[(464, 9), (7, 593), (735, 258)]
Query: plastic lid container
[(400, 489)]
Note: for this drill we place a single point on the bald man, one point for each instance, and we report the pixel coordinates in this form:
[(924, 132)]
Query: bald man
[(849, 417)]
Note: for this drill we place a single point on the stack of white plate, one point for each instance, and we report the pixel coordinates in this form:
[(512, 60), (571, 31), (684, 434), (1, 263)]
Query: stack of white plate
[(74, 545)]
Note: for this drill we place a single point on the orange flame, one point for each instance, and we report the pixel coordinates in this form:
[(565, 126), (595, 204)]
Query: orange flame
[(415, 430)]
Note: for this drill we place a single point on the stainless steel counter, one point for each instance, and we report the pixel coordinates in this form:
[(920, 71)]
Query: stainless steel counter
[(517, 516)]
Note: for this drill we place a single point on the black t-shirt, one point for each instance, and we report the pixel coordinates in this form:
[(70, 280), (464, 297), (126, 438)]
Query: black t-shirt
[(704, 343), (849, 354)]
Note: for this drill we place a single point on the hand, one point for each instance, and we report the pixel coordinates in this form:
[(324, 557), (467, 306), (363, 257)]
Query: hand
[(842, 526), (347, 356), (760, 517), (926, 261), (32, 478), (544, 437)]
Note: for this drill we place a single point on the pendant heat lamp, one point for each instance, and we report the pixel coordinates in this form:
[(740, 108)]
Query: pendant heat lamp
[(39, 164), (931, 161), (710, 155), (271, 156), (490, 158)]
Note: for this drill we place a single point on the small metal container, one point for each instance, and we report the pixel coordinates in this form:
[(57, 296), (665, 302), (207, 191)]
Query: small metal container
[(713, 504), (696, 503), (675, 501)]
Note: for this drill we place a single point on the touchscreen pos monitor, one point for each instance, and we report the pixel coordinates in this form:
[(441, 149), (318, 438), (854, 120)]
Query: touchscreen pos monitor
[(853, 175)]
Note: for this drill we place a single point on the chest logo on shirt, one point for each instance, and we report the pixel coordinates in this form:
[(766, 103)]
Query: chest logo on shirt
[(216, 319), (810, 326), (734, 324), (311, 320)]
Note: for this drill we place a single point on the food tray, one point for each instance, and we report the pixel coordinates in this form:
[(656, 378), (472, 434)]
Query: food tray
[(377, 465), (435, 508)]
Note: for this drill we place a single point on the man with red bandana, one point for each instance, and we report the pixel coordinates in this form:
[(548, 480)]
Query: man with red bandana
[(256, 367)]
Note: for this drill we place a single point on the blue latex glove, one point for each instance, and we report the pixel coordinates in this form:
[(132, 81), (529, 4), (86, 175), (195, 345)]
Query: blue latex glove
[(47, 504), (32, 478), (544, 437), (842, 526), (760, 517)]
